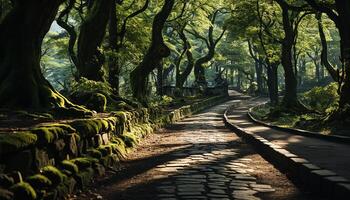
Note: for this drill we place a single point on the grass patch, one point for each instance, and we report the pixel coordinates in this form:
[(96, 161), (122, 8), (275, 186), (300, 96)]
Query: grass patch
[(322, 100)]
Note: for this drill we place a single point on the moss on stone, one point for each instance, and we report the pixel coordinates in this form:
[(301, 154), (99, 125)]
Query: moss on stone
[(14, 142), (69, 166), (105, 150), (118, 146), (84, 162), (94, 153), (54, 174), (111, 161), (97, 102), (122, 115), (85, 127), (129, 139), (47, 134), (23, 191), (84, 177), (66, 187), (39, 181), (92, 127)]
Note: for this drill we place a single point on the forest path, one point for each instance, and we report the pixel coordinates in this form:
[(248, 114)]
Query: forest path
[(325, 154), (197, 158)]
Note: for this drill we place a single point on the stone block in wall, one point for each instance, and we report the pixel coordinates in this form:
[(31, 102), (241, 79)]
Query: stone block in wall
[(42, 158), (110, 161), (97, 141), (71, 145), (84, 178), (22, 161), (99, 169), (105, 138)]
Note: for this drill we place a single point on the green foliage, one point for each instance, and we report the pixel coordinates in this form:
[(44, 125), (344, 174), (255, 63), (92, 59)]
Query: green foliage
[(88, 86), (14, 142), (23, 191), (322, 99)]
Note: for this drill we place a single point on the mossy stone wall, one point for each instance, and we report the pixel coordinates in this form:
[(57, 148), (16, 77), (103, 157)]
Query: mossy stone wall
[(51, 160)]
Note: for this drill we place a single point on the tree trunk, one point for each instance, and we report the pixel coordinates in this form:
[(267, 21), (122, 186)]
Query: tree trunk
[(343, 9), (181, 77), (168, 72), (92, 32), (113, 61), (324, 53), (259, 75), (199, 70), (239, 81), (290, 99), (317, 71), (160, 80), (22, 85), (272, 77), (156, 52)]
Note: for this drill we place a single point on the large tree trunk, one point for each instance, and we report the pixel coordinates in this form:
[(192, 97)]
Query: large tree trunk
[(22, 85), (199, 70), (92, 32), (113, 61), (181, 77), (272, 82), (343, 9), (290, 99), (160, 80), (156, 52), (324, 53)]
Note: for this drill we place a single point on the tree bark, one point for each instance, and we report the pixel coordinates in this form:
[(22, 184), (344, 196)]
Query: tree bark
[(92, 32), (290, 99), (160, 80), (156, 52), (272, 82), (199, 70), (113, 61), (324, 54), (343, 9), (182, 77), (22, 85)]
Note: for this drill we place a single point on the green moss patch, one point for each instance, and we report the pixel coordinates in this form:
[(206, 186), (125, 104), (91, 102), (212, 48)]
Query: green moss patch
[(92, 127), (94, 153), (54, 174), (14, 142), (49, 133), (69, 166), (84, 163), (39, 181)]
